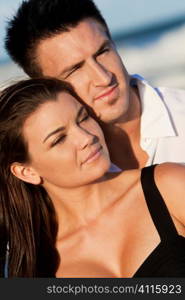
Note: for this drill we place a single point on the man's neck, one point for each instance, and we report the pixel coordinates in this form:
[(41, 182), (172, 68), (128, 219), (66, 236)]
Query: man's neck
[(123, 138)]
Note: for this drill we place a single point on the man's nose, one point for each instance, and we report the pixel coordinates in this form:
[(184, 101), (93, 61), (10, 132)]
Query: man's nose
[(99, 74)]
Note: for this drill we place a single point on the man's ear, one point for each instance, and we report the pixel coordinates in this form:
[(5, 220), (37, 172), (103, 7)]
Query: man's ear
[(25, 173)]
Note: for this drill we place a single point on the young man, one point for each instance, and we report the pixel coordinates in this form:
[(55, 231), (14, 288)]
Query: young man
[(69, 39)]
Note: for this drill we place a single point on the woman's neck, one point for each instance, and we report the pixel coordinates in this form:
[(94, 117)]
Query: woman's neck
[(78, 207)]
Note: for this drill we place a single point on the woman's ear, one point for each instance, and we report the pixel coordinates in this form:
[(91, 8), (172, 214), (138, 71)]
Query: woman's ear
[(25, 173)]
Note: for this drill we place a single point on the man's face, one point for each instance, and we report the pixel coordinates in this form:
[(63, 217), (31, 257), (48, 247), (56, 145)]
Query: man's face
[(87, 58)]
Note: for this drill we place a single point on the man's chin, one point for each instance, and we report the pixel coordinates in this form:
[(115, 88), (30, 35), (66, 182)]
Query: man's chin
[(111, 118)]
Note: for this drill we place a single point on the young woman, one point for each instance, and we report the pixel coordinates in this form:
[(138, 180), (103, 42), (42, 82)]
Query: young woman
[(62, 213)]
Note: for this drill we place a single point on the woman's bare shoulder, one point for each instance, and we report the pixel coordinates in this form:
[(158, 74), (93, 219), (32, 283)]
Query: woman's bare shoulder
[(170, 175), (170, 180)]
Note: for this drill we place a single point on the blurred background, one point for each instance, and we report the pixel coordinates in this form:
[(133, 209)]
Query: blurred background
[(150, 36)]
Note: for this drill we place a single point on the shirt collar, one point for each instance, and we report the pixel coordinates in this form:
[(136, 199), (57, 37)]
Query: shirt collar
[(155, 121)]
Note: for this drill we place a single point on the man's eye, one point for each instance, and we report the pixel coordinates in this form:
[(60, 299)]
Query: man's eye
[(72, 71), (104, 51), (59, 140)]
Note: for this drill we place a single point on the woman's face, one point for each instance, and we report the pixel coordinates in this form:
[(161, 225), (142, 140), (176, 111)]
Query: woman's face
[(66, 146)]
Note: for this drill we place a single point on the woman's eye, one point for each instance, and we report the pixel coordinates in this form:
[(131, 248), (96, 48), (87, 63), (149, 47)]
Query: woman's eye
[(86, 117), (59, 140)]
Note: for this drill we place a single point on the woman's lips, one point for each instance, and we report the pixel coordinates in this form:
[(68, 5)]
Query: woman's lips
[(93, 155)]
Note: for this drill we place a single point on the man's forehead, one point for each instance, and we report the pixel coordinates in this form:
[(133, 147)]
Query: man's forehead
[(70, 47)]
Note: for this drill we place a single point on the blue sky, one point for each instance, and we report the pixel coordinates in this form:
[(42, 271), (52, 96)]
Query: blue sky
[(127, 14), (121, 15)]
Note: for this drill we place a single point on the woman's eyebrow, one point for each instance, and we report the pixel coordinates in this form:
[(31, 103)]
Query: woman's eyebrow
[(62, 128)]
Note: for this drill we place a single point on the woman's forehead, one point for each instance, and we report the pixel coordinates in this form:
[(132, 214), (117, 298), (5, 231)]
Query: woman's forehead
[(52, 114)]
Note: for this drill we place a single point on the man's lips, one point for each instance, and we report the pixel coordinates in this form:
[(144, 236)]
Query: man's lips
[(93, 155), (106, 93)]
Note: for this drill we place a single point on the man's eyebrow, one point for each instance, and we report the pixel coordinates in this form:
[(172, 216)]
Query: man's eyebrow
[(80, 63), (62, 128)]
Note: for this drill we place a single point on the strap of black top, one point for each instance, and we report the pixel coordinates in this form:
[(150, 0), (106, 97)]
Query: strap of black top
[(156, 205)]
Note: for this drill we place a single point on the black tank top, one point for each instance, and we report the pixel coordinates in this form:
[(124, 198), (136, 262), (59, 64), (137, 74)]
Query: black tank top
[(168, 258)]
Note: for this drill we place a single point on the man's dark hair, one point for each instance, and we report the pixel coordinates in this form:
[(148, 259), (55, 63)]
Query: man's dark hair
[(36, 20)]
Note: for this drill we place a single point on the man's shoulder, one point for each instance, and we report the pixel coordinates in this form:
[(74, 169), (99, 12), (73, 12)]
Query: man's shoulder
[(172, 97)]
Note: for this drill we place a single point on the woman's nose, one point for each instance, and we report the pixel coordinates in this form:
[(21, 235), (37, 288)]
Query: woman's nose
[(84, 138)]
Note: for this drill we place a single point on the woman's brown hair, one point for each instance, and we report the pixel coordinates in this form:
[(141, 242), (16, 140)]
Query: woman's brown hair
[(28, 221)]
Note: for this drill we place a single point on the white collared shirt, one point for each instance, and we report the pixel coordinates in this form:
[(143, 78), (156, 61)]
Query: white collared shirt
[(162, 129)]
